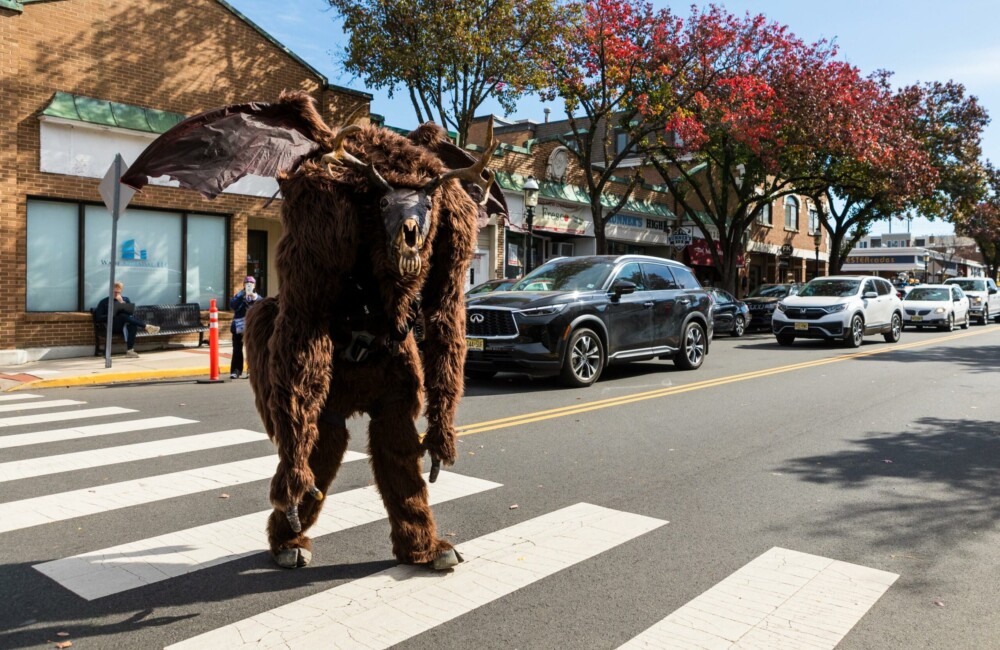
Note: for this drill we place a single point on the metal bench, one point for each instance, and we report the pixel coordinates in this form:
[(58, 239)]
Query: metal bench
[(171, 319)]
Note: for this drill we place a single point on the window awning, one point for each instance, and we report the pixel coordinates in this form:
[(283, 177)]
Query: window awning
[(104, 113)]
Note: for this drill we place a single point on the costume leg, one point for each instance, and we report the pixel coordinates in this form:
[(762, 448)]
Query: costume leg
[(395, 457), (291, 549)]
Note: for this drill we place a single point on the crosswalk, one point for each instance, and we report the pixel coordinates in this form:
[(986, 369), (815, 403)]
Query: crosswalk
[(783, 598)]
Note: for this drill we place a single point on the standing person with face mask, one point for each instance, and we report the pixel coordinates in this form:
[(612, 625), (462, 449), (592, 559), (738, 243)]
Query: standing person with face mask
[(240, 303)]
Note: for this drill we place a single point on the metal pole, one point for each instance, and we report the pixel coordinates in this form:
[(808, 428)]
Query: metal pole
[(114, 246), (530, 254), (816, 270)]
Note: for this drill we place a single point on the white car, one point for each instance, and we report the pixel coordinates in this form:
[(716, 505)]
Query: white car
[(984, 301), (840, 307), (936, 305)]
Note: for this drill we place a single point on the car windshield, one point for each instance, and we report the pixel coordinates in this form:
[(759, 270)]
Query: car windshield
[(567, 275), (830, 288), (770, 291), (928, 293), (970, 285)]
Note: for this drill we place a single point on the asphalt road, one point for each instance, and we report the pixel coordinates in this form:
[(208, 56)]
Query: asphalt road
[(884, 457)]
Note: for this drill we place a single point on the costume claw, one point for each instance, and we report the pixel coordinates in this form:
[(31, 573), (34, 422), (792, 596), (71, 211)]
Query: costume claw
[(293, 558), (293, 518), (316, 492), (447, 560), (435, 469)]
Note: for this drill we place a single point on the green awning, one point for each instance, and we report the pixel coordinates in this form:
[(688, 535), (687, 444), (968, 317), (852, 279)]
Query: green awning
[(105, 113), (576, 194)]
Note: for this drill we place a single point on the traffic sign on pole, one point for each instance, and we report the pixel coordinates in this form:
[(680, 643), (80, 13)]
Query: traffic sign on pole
[(116, 197)]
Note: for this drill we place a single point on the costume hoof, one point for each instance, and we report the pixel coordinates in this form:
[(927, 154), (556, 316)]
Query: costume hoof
[(447, 560), (316, 492), (293, 558)]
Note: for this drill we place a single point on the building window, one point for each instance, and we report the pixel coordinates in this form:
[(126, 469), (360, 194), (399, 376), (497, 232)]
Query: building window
[(876, 243), (920, 242), (813, 220), (862, 244), (622, 141), (163, 258), (764, 215), (791, 213)]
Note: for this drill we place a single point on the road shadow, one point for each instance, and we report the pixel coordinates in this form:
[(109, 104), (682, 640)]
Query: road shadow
[(978, 359), (936, 483)]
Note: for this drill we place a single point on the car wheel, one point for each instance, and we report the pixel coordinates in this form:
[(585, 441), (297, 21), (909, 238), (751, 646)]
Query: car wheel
[(949, 323), (481, 375), (986, 316), (739, 327), (895, 329), (584, 359), (693, 348), (785, 339), (965, 323), (856, 334)]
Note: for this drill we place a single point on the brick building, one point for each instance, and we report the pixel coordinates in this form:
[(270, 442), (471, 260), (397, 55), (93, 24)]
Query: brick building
[(82, 80)]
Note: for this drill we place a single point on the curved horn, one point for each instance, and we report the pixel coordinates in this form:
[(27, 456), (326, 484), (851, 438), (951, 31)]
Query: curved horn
[(339, 156), (474, 173)]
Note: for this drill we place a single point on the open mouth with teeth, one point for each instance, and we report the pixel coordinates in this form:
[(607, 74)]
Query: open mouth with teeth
[(408, 243)]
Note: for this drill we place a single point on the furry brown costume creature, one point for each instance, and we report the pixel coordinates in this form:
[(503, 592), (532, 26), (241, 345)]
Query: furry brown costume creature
[(374, 230)]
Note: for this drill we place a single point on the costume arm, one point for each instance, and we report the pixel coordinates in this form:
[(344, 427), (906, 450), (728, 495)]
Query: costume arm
[(444, 322)]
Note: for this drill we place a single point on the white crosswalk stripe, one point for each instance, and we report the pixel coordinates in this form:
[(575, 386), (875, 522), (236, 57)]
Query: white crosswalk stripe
[(18, 396), (368, 613), (20, 469), (61, 416), (782, 599), (34, 406), (128, 566), (72, 433), (26, 513)]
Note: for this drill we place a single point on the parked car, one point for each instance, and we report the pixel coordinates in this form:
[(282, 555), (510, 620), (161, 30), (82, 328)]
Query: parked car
[(573, 316), (728, 313), (491, 285), (936, 305), (984, 301), (763, 300), (840, 307)]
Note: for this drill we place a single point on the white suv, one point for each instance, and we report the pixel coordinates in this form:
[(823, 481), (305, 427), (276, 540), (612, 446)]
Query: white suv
[(984, 301), (840, 307)]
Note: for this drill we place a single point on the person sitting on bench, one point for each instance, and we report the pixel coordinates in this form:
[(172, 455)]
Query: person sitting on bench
[(123, 321)]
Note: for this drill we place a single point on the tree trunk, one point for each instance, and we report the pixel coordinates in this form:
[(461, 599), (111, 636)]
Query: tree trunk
[(596, 214), (836, 259)]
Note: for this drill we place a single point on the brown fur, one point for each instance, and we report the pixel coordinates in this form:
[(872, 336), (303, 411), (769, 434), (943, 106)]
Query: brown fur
[(303, 389)]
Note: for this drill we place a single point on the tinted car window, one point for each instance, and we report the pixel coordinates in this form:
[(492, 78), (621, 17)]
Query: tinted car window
[(722, 297), (566, 275), (633, 274), (830, 288), (869, 286), (970, 285), (928, 293), (659, 277), (685, 278), (771, 291), (884, 288)]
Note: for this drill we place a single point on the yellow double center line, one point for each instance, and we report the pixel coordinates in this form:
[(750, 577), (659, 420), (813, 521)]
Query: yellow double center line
[(537, 416)]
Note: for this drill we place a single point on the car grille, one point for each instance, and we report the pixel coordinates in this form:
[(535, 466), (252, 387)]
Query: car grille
[(918, 312), (759, 307), (494, 322), (805, 313)]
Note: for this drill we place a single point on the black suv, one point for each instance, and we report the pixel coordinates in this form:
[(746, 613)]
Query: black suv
[(574, 315), (764, 299)]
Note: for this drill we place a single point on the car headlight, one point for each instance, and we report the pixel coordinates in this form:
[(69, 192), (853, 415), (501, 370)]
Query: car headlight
[(940, 310), (977, 299), (547, 310), (833, 309), (781, 307)]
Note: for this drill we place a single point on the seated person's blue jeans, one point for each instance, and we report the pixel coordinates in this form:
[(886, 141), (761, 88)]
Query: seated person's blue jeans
[(128, 326)]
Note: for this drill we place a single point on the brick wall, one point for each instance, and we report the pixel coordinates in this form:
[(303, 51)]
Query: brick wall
[(183, 56)]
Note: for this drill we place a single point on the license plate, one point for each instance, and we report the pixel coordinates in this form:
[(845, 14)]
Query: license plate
[(474, 344), (802, 327), (916, 318)]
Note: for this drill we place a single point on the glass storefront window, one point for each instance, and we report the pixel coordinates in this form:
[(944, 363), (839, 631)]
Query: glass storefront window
[(150, 256), (53, 256), (206, 260)]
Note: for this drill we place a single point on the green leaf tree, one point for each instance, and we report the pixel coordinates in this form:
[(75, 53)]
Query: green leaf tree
[(450, 56)]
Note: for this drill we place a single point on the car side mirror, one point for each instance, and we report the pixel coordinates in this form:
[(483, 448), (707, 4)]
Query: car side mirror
[(993, 290), (870, 294), (622, 288)]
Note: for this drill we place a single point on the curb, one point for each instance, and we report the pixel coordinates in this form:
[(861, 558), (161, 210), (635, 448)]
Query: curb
[(114, 377)]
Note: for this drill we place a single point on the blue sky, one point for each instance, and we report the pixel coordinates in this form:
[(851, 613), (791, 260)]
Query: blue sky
[(918, 40)]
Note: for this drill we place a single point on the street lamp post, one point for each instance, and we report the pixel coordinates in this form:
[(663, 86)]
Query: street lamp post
[(817, 239), (530, 188)]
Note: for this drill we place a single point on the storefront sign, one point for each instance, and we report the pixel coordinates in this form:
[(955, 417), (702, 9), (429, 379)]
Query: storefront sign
[(680, 239), (881, 259)]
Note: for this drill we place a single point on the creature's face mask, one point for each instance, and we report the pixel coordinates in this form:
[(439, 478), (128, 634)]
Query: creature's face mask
[(406, 215)]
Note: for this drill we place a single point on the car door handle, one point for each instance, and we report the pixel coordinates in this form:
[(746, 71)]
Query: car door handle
[(648, 305), (683, 301)]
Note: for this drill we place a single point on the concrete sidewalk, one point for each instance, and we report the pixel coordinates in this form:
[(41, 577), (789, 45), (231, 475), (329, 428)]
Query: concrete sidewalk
[(77, 371)]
